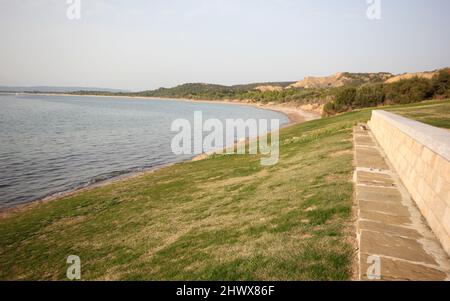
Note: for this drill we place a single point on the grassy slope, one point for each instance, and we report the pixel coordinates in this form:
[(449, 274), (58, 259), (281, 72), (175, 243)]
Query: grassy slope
[(224, 218), (434, 113)]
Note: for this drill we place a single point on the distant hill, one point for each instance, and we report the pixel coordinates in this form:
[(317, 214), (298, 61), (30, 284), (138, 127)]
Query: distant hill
[(50, 89), (341, 79), (269, 86), (190, 90), (212, 91), (333, 94), (426, 74)]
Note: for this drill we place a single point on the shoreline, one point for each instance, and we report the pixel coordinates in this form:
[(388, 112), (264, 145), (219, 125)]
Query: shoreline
[(295, 116), (16, 209), (295, 113)]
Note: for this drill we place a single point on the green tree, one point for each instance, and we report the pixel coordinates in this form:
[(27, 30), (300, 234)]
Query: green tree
[(369, 96), (345, 99), (409, 90), (329, 109), (441, 83)]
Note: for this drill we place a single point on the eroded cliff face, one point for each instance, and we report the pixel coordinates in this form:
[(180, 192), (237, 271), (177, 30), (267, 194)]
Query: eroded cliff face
[(269, 88), (340, 79), (345, 78), (427, 75)]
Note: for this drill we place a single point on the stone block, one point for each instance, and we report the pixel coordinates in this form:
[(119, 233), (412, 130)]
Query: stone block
[(446, 222), (372, 243), (428, 156), (390, 208), (397, 270), (389, 229), (437, 206), (377, 194), (385, 218), (375, 179)]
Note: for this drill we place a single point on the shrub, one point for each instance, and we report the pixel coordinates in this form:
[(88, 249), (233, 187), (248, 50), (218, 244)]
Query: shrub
[(441, 84), (345, 98), (409, 90), (369, 96), (329, 109)]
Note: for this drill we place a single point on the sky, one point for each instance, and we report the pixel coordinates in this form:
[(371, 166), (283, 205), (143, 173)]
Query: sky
[(146, 44)]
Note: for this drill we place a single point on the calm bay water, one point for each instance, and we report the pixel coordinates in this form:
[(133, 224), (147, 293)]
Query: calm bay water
[(52, 144)]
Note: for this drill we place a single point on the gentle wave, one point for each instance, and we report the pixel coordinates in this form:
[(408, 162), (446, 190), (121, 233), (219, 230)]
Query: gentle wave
[(54, 144)]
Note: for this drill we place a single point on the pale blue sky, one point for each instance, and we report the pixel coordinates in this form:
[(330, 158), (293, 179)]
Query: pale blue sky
[(138, 44)]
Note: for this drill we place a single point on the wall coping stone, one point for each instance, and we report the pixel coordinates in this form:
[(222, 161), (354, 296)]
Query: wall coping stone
[(436, 139)]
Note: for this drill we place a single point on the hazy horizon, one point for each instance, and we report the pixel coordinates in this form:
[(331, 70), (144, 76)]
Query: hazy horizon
[(141, 45)]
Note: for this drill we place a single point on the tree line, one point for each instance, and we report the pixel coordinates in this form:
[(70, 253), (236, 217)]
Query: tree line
[(404, 91)]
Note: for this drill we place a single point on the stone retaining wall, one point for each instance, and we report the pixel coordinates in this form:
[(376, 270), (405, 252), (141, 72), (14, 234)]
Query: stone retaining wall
[(420, 155)]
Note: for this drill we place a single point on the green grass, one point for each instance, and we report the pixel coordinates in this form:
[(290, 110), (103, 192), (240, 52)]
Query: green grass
[(224, 218), (435, 113)]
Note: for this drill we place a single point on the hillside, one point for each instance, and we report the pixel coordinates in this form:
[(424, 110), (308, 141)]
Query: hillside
[(269, 88), (214, 91), (337, 93), (426, 75), (340, 80), (194, 90), (332, 94)]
